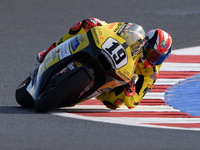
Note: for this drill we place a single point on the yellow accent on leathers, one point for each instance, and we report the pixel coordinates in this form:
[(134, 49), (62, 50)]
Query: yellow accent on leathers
[(149, 76), (146, 78)]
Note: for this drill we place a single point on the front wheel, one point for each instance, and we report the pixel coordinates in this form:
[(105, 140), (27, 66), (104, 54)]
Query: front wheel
[(22, 96), (65, 92)]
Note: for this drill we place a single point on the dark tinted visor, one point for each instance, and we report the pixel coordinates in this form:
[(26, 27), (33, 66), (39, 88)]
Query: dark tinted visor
[(152, 56)]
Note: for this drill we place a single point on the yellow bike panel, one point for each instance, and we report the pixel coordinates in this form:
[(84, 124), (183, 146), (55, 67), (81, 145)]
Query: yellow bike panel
[(50, 59), (78, 43), (63, 50), (104, 37)]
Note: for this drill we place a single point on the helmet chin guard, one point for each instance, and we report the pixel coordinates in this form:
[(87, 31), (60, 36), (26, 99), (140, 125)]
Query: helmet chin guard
[(145, 62)]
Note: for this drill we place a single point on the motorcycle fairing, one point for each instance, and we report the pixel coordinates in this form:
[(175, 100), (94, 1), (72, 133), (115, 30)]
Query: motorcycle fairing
[(95, 46)]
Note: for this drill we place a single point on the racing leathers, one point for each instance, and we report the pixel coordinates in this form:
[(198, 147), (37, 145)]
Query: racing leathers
[(130, 94)]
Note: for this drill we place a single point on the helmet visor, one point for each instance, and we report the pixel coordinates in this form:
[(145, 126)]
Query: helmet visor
[(153, 56)]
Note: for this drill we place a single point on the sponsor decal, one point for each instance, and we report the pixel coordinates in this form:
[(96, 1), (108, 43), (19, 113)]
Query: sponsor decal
[(81, 38), (101, 37), (129, 25), (74, 43), (146, 90), (126, 72), (105, 90), (118, 27), (121, 29), (137, 51), (123, 75), (132, 100), (100, 33), (163, 44), (96, 35), (64, 70), (87, 88), (111, 26), (46, 62), (54, 54), (64, 50), (69, 66)]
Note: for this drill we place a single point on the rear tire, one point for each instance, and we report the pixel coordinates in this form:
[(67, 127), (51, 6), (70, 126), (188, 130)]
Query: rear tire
[(22, 96), (64, 92)]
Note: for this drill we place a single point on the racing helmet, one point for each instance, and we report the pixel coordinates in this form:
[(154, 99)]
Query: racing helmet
[(157, 47)]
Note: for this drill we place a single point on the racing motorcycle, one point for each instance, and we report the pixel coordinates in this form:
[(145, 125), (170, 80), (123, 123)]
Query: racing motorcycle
[(83, 67)]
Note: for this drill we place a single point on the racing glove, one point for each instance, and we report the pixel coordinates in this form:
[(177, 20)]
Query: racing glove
[(129, 89)]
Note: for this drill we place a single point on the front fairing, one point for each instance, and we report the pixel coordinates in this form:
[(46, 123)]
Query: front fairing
[(60, 55), (116, 50), (64, 50)]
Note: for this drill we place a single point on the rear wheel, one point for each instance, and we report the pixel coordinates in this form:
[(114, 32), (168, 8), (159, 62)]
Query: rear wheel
[(65, 92), (22, 96)]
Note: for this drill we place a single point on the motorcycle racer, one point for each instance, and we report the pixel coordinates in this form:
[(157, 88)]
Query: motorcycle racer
[(157, 46)]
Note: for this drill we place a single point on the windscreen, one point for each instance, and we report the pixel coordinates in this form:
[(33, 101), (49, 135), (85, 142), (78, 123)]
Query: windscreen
[(134, 35)]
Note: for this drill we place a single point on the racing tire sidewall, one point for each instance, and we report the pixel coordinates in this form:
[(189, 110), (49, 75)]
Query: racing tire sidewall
[(22, 96)]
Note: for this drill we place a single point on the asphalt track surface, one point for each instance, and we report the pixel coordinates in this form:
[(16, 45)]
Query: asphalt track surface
[(27, 27)]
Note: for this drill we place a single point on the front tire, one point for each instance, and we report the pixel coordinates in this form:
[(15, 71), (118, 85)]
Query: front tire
[(22, 96)]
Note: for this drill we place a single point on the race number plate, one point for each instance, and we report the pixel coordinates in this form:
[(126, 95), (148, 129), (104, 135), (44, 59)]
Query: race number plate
[(116, 51)]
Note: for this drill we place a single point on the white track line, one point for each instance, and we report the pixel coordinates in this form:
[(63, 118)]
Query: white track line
[(134, 121), (180, 67), (154, 95), (168, 81), (102, 108), (187, 51)]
